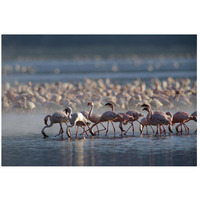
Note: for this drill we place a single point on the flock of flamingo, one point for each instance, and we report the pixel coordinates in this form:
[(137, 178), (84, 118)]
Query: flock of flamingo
[(83, 120)]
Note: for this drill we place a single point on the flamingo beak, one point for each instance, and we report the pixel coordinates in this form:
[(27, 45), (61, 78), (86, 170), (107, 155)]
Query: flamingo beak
[(145, 109)]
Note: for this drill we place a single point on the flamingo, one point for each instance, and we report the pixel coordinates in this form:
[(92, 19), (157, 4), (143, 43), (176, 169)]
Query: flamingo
[(123, 118), (170, 118), (194, 114), (182, 118), (106, 117), (157, 118), (136, 115), (143, 123), (94, 117), (76, 119), (57, 117)]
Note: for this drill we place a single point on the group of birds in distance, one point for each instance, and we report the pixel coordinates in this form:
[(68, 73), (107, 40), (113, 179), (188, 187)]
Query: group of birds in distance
[(83, 120)]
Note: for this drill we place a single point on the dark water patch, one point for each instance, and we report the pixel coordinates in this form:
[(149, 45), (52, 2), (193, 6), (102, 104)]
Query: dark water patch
[(32, 150)]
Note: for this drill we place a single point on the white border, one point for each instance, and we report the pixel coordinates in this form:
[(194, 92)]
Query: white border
[(99, 17)]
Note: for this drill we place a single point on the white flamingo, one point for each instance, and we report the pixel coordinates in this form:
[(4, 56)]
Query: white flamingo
[(57, 117), (94, 117), (76, 119)]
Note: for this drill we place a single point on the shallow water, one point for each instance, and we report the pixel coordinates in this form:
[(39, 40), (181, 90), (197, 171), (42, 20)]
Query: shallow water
[(23, 145)]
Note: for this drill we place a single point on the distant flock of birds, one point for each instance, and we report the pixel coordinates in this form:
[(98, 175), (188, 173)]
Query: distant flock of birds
[(84, 119), (49, 97)]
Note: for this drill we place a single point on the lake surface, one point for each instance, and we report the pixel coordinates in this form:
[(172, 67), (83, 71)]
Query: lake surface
[(118, 70), (23, 145)]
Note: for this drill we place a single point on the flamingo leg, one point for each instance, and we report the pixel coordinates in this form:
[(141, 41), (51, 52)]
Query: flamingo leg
[(83, 127), (132, 127), (84, 131), (61, 130), (151, 128), (47, 126), (103, 127), (170, 128), (128, 129), (177, 128), (181, 129), (90, 129), (113, 127), (77, 131), (121, 128), (107, 128), (42, 131), (146, 130), (160, 130), (139, 122), (68, 131), (156, 131), (186, 128), (164, 130), (97, 129)]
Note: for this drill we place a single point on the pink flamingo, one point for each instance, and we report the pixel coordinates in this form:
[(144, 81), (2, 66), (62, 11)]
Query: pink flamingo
[(57, 117), (108, 116), (123, 118), (136, 115), (194, 114), (157, 118), (143, 123), (182, 118), (94, 117)]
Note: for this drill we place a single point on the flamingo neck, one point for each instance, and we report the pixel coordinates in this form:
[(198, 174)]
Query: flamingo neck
[(112, 107), (91, 111), (24, 102), (70, 114), (170, 114), (150, 113)]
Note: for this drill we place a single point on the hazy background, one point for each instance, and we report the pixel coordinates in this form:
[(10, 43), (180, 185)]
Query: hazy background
[(69, 46), (121, 58)]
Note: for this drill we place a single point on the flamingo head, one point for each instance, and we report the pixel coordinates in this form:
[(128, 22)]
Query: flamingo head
[(145, 105), (110, 104), (67, 110), (170, 114), (90, 103), (193, 118), (146, 108)]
